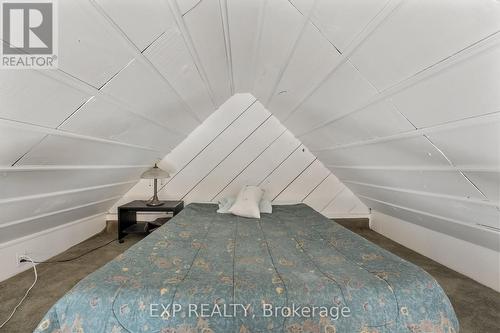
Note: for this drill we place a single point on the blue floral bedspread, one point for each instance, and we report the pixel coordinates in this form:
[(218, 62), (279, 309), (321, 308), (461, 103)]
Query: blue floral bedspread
[(290, 271)]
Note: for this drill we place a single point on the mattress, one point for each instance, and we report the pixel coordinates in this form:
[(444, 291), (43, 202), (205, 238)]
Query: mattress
[(290, 271)]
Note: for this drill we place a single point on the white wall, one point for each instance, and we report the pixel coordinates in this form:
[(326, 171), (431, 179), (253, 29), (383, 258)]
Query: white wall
[(399, 99), (75, 139), (45, 244), (243, 144), (477, 262)]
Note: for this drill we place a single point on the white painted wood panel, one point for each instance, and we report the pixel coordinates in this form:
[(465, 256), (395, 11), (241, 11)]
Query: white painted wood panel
[(187, 5), (170, 55), (465, 211), (286, 172), (342, 20), (461, 256), (259, 169), (142, 21), (204, 23), (378, 120), (229, 169), (212, 127), (304, 184), (145, 192), (50, 221), (468, 89), (199, 139), (359, 209), (343, 91), (470, 233), (471, 144), (280, 29), (303, 6), (316, 54), (244, 18), (202, 136), (59, 150), (215, 153), (415, 152), (15, 142), (488, 182), (346, 204), (404, 45), (241, 144), (19, 182), (33, 206), (150, 96), (325, 193), (31, 97), (101, 119), (47, 243), (258, 42), (89, 48), (447, 182)]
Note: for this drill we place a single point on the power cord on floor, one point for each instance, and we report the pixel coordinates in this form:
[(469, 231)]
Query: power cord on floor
[(26, 258), (25, 294), (71, 259)]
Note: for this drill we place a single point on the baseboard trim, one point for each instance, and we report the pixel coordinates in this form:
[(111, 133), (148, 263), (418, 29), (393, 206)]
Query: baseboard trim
[(477, 262), (47, 243)]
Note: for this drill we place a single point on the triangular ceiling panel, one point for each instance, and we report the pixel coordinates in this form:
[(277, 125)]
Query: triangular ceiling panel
[(244, 144), (398, 99)]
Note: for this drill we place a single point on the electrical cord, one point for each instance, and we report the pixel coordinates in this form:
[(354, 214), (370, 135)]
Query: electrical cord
[(74, 258), (28, 259), (25, 294)]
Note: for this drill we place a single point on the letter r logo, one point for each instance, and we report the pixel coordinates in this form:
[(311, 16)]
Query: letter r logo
[(27, 27)]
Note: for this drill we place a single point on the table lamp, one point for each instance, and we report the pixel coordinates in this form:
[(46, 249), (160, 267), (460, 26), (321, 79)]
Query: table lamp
[(155, 173)]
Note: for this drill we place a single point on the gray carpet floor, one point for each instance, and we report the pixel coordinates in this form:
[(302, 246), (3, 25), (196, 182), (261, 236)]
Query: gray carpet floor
[(477, 307)]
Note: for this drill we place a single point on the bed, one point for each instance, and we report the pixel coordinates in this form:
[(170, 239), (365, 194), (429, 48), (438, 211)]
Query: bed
[(207, 272)]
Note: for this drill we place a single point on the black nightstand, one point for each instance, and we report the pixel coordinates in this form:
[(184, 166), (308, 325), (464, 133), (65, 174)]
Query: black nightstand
[(127, 216)]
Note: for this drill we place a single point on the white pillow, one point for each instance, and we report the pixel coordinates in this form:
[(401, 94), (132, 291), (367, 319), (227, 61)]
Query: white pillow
[(265, 206), (225, 204), (247, 202)]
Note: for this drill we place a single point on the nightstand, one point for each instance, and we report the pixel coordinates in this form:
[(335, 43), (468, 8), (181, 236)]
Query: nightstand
[(127, 216)]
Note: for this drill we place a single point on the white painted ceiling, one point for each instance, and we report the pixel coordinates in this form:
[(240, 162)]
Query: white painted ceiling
[(399, 99), (242, 143)]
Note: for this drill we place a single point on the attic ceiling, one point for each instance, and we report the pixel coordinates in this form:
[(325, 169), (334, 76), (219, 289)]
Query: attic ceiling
[(242, 143), (399, 99)]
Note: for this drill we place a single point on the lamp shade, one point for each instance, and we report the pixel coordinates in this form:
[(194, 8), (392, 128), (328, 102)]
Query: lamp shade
[(155, 173)]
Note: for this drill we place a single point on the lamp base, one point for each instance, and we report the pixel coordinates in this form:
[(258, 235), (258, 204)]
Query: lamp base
[(154, 203), (154, 200)]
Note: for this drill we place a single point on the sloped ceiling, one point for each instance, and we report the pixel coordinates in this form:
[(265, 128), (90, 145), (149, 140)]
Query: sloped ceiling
[(243, 143), (399, 99)]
